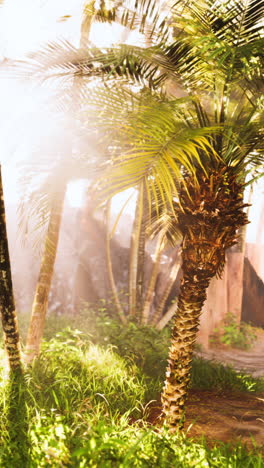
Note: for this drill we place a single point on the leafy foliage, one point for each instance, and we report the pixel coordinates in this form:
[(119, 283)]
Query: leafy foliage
[(143, 347), (74, 406), (237, 335)]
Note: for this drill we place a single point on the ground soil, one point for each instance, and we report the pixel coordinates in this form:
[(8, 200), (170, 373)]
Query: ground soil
[(227, 417)]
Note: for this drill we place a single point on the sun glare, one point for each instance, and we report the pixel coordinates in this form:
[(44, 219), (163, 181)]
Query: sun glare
[(76, 192), (25, 26)]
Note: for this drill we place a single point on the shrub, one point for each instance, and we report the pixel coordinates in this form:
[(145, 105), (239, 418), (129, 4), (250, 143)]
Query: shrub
[(237, 335)]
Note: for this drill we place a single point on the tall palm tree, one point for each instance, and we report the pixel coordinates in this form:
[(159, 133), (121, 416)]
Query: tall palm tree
[(40, 303)]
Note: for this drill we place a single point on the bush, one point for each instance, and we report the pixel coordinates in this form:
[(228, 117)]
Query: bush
[(237, 335)]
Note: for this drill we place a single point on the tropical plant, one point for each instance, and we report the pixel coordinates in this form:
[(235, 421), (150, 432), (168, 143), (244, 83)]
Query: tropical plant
[(231, 333), (216, 65)]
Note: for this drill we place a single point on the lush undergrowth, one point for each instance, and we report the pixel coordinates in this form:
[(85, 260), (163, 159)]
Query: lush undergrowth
[(75, 406)]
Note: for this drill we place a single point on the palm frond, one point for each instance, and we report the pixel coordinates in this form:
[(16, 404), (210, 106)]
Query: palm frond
[(149, 141)]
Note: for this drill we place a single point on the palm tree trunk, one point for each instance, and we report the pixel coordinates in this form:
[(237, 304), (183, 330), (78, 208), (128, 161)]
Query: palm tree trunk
[(40, 303), (141, 251), (152, 280), (109, 266), (134, 249), (190, 303), (7, 302)]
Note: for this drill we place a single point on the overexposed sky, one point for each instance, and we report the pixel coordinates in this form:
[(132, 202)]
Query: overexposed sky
[(26, 25)]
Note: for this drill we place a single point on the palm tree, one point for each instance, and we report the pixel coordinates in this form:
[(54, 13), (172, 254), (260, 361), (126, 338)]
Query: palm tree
[(212, 205), (7, 303), (40, 303), (215, 65)]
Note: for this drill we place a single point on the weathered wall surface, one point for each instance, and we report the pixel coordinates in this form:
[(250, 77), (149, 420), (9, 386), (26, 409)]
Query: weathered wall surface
[(253, 297), (255, 254), (220, 302)]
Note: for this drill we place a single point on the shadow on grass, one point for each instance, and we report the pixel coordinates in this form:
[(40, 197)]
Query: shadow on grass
[(16, 449)]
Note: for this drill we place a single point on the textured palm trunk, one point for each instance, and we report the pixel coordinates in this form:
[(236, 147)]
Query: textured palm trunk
[(134, 250), (119, 308), (7, 302), (210, 216), (40, 304), (152, 281), (190, 303)]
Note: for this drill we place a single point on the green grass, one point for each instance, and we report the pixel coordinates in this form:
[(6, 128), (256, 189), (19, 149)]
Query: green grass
[(147, 348), (82, 403), (209, 375)]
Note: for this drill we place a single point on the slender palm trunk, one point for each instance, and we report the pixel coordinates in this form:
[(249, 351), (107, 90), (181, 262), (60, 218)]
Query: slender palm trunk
[(40, 303), (134, 249), (141, 251), (7, 302), (171, 280), (152, 281), (119, 308)]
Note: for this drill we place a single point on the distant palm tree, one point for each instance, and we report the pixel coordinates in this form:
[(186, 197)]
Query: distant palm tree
[(64, 174)]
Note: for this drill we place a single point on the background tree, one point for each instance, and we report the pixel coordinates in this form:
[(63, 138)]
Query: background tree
[(40, 303), (7, 303)]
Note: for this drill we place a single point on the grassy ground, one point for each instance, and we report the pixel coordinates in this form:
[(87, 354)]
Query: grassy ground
[(84, 402)]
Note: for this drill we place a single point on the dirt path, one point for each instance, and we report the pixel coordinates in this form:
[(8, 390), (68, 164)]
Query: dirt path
[(228, 418), (231, 418), (251, 362)]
